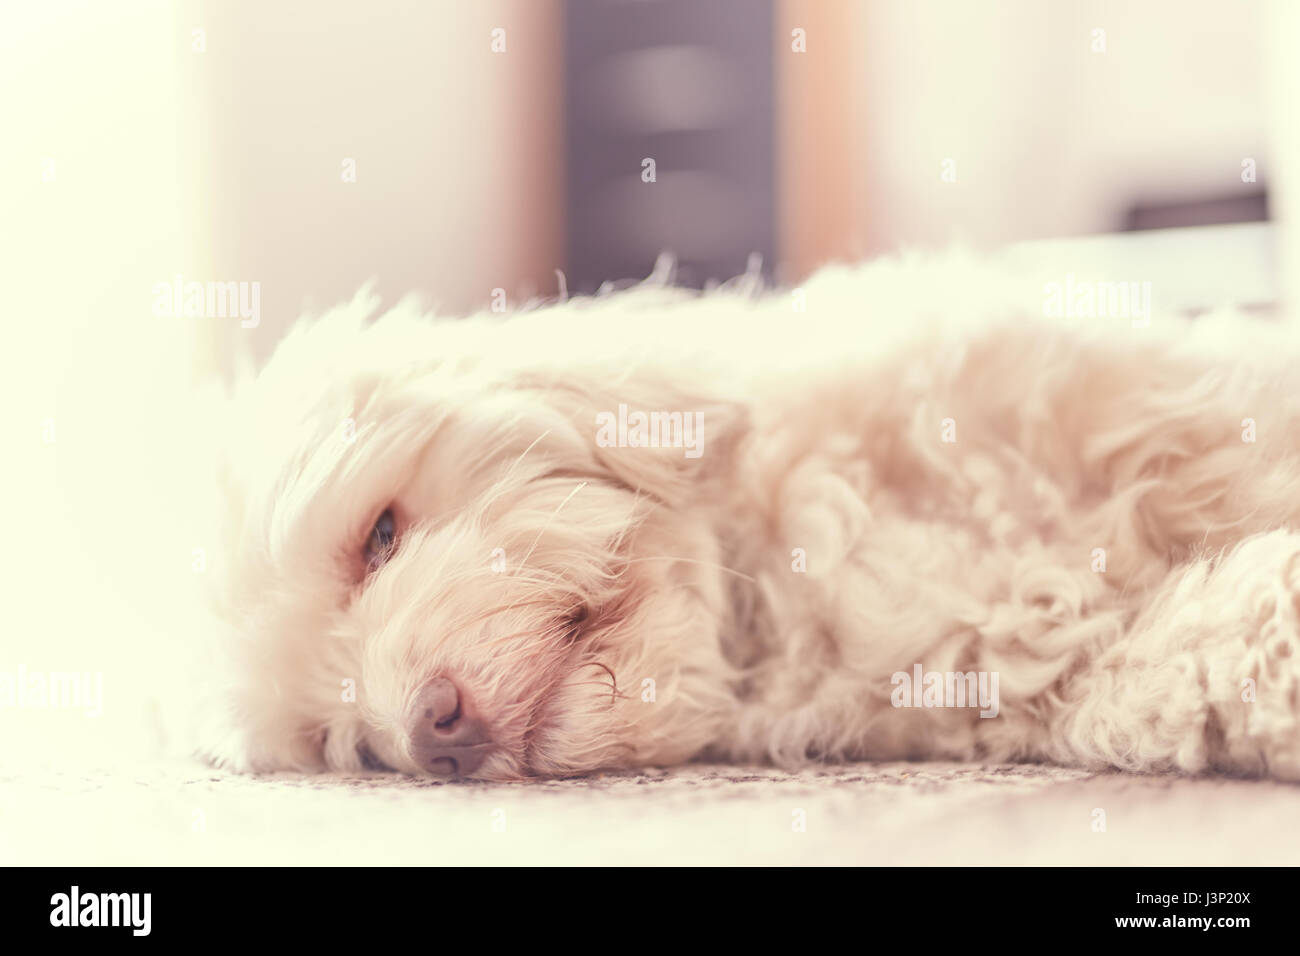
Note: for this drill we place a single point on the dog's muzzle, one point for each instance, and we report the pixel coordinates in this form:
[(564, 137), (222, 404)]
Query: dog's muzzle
[(445, 738)]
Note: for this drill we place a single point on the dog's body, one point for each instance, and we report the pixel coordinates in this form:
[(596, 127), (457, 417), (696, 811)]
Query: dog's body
[(1103, 517)]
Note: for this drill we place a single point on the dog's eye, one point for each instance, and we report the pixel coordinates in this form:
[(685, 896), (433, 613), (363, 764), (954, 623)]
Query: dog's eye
[(382, 540), (574, 622)]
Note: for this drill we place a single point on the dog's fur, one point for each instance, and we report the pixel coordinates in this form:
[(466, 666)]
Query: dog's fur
[(608, 607)]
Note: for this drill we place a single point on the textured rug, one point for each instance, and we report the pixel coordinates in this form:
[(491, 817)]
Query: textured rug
[(184, 813)]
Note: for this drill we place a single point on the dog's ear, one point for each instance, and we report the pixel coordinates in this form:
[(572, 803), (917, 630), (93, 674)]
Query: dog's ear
[(654, 429)]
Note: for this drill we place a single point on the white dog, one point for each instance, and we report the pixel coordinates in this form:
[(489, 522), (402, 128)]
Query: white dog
[(843, 522)]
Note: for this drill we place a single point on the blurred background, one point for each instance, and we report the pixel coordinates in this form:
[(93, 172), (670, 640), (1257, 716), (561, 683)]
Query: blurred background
[(505, 151)]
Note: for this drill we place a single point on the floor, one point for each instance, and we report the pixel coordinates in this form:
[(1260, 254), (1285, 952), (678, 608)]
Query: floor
[(182, 813)]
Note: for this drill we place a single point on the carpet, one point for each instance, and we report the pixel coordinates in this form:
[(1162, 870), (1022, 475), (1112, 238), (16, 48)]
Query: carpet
[(896, 813)]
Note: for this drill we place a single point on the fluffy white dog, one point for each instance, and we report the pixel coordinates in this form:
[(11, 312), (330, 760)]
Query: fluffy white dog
[(887, 515)]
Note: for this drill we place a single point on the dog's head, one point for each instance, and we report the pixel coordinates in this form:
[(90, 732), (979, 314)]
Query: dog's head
[(435, 562)]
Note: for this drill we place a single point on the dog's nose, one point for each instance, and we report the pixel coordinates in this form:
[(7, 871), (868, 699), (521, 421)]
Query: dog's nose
[(446, 738)]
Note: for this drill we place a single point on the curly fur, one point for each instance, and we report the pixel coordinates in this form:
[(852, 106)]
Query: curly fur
[(623, 606)]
